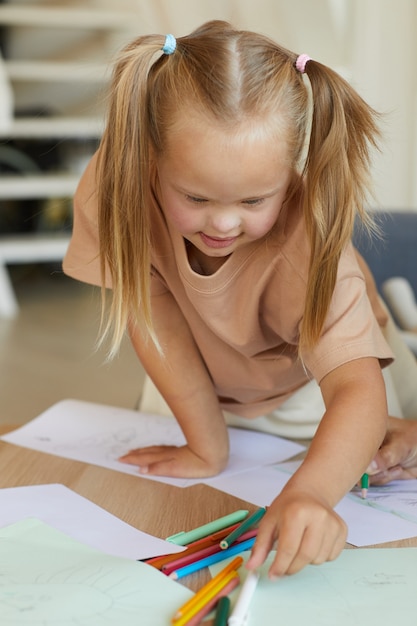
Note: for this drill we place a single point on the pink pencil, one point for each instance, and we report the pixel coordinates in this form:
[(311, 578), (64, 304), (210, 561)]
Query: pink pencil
[(159, 561), (201, 554), (196, 619)]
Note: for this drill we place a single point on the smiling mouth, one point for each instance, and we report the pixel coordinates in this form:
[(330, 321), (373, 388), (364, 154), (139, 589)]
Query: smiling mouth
[(217, 242)]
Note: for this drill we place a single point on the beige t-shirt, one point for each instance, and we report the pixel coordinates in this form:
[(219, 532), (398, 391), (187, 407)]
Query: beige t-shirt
[(245, 318)]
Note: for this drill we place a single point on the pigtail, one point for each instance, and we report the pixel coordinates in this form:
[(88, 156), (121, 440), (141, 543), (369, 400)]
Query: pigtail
[(124, 197), (336, 176)]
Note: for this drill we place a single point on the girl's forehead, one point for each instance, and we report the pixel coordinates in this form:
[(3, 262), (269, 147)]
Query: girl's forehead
[(215, 161), (237, 127), (226, 135)]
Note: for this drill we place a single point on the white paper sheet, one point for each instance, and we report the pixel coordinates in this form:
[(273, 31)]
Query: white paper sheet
[(81, 519), (369, 521), (100, 434)]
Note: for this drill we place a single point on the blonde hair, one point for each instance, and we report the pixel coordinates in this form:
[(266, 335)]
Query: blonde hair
[(230, 75)]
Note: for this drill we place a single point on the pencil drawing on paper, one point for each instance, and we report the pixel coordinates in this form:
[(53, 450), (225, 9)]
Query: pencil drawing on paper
[(401, 505), (381, 579), (407, 499), (111, 444), (76, 596)]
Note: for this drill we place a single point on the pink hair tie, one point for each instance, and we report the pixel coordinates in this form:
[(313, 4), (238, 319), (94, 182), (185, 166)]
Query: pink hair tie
[(301, 62)]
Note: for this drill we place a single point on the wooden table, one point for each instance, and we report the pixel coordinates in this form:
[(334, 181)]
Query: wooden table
[(150, 506)]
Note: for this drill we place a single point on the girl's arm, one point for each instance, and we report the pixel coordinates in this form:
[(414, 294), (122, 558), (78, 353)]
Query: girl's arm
[(182, 379), (302, 518)]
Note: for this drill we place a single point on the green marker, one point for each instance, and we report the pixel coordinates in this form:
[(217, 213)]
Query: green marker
[(222, 612)]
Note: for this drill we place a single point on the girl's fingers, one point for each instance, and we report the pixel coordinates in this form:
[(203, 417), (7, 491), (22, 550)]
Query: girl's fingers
[(332, 544), (315, 547), (263, 545), (300, 542), (394, 473), (148, 459), (289, 541), (177, 462)]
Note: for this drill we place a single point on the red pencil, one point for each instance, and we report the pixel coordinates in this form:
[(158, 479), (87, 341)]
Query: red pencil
[(160, 561)]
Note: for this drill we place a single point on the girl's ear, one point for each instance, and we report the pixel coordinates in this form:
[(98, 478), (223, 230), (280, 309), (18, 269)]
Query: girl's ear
[(294, 187)]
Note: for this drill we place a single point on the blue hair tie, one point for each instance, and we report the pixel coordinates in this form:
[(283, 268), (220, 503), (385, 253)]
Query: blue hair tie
[(169, 45)]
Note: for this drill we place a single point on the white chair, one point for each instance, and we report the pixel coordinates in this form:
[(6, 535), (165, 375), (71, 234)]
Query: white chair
[(400, 297)]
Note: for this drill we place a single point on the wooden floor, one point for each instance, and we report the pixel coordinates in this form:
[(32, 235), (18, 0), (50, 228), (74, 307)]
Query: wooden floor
[(47, 353)]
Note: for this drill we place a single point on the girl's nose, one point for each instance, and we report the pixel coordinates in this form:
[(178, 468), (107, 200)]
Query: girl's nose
[(225, 221)]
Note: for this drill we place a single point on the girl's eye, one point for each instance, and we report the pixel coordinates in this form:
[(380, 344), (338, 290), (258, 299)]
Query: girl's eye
[(254, 201), (195, 199)]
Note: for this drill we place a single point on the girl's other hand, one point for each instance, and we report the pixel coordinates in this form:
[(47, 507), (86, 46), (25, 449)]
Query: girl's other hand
[(306, 529), (174, 461), (397, 456)]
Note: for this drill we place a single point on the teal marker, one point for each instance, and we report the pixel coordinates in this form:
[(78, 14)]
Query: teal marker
[(184, 538), (244, 526)]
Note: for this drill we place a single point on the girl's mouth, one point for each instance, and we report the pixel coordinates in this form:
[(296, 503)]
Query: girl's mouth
[(217, 242)]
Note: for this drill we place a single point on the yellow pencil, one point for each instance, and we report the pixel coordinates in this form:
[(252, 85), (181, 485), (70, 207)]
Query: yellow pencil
[(204, 600), (201, 593)]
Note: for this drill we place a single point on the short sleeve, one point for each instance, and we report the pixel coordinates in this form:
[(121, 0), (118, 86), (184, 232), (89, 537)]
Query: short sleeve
[(351, 330), (82, 260)]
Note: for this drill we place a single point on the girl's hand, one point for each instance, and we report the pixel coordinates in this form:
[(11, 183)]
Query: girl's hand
[(397, 456), (173, 461), (307, 530)]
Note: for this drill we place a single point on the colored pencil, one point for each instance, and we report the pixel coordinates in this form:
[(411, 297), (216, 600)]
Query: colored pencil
[(364, 485), (233, 566), (222, 611), (183, 560), (204, 604), (160, 561), (244, 526), (184, 537), (197, 619), (213, 558)]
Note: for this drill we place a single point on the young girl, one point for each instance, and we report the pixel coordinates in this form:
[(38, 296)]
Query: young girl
[(219, 209)]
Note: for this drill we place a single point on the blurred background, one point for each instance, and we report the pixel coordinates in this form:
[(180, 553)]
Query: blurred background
[(54, 67)]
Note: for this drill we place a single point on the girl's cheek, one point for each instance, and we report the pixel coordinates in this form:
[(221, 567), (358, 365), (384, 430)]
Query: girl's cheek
[(185, 221)]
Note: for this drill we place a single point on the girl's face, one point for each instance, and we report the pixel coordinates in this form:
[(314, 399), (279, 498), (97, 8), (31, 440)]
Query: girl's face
[(222, 190)]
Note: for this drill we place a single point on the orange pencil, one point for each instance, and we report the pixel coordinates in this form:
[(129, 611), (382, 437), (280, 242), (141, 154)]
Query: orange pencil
[(232, 566), (208, 601), (211, 604)]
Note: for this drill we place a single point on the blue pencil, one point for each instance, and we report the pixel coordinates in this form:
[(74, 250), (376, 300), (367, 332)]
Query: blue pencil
[(213, 558)]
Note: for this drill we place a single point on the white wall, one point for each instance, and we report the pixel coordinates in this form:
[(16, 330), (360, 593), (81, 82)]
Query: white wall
[(372, 42), (384, 54)]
